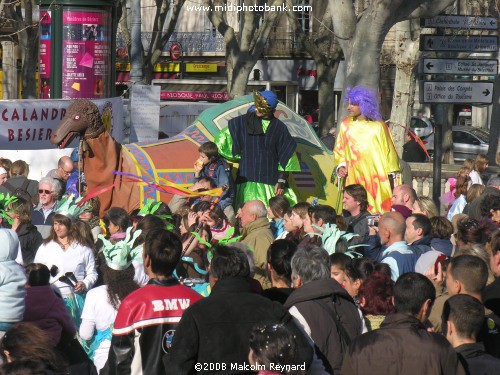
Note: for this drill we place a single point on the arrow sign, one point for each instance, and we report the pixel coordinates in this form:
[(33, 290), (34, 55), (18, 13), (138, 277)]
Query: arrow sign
[(459, 43), (470, 92), (460, 22), (460, 66)]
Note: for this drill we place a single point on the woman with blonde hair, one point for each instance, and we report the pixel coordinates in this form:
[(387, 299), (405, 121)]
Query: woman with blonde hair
[(425, 206)]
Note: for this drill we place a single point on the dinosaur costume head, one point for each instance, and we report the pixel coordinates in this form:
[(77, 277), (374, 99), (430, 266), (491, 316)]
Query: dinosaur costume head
[(82, 118)]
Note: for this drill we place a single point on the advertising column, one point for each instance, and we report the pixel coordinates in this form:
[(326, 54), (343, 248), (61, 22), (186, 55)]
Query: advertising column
[(86, 57), (44, 63)]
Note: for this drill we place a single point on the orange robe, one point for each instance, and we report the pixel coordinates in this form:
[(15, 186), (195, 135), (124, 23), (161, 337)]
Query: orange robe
[(367, 149)]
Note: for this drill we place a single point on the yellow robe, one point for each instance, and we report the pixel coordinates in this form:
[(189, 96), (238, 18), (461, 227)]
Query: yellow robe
[(367, 149)]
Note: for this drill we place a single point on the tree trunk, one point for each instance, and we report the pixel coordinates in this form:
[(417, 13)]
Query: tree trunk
[(326, 99), (29, 66), (239, 78), (407, 52)]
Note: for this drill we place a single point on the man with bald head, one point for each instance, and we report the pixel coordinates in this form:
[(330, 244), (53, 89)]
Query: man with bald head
[(62, 173), (257, 236), (397, 255), (404, 195)]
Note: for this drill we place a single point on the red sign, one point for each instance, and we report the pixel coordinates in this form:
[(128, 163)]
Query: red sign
[(193, 95), (175, 51)]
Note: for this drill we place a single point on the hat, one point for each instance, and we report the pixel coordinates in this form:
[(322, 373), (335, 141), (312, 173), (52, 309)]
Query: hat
[(265, 102), (2, 170), (74, 155), (119, 255), (403, 210), (70, 207)]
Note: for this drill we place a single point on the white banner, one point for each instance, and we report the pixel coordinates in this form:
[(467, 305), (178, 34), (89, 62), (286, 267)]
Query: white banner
[(28, 124)]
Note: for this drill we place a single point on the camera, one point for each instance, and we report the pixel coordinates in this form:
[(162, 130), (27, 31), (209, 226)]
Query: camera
[(373, 220)]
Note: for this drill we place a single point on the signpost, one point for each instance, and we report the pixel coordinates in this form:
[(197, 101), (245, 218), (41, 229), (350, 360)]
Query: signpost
[(470, 92), (460, 66), (459, 43), (460, 22)]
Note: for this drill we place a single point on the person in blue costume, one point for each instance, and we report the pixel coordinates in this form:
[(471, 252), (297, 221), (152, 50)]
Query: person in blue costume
[(264, 149)]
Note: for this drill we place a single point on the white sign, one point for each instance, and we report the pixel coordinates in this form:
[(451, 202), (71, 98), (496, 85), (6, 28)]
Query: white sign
[(459, 43), (460, 66), (144, 113), (470, 92), (460, 22), (28, 124)]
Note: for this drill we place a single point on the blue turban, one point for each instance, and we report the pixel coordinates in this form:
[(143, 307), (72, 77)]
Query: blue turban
[(270, 98)]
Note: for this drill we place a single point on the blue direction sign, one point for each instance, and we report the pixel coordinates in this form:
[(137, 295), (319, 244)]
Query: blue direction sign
[(460, 66), (459, 43), (470, 92), (460, 22)]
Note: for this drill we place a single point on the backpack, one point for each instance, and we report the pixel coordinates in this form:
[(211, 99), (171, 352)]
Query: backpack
[(335, 311), (20, 192)]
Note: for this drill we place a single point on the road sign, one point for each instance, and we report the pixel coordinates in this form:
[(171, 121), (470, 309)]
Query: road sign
[(460, 22), (459, 43), (470, 92), (460, 66), (175, 51)]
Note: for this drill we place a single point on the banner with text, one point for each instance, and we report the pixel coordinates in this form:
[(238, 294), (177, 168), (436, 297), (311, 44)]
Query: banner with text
[(28, 124)]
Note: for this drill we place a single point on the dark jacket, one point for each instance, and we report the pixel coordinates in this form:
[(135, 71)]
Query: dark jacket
[(314, 304), (30, 240), (17, 182), (491, 332), (476, 361), (46, 309), (38, 219), (402, 345), (442, 245), (220, 172), (217, 329), (413, 152), (358, 225), (421, 246)]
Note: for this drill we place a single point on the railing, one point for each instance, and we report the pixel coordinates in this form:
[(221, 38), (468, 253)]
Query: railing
[(192, 43), (283, 44), (423, 177)]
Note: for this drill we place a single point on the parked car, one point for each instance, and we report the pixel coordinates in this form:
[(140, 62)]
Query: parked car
[(467, 142), (421, 126)]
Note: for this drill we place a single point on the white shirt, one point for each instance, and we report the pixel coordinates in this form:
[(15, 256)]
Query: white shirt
[(98, 313), (77, 258), (475, 178)]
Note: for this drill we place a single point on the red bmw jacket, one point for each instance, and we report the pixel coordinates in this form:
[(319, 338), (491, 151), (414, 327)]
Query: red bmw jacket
[(145, 326)]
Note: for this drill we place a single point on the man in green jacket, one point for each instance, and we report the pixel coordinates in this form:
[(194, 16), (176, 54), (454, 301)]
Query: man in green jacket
[(257, 236)]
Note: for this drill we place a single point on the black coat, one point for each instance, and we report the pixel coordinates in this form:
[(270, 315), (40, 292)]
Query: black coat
[(476, 361), (217, 329), (324, 333), (30, 240), (413, 152), (402, 345)]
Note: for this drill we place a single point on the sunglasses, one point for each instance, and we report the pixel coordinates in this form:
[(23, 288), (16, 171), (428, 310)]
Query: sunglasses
[(42, 191)]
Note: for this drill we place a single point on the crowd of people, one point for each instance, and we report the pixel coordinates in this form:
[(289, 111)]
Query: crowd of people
[(254, 282)]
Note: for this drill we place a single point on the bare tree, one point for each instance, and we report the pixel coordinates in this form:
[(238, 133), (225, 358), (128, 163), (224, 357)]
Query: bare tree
[(27, 37), (243, 47), (326, 52), (361, 27), (406, 60), (165, 10)]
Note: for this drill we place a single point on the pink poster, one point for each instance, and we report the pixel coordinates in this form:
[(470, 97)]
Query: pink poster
[(44, 63), (86, 58)]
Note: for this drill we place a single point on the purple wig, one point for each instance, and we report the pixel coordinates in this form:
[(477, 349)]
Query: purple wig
[(367, 101)]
